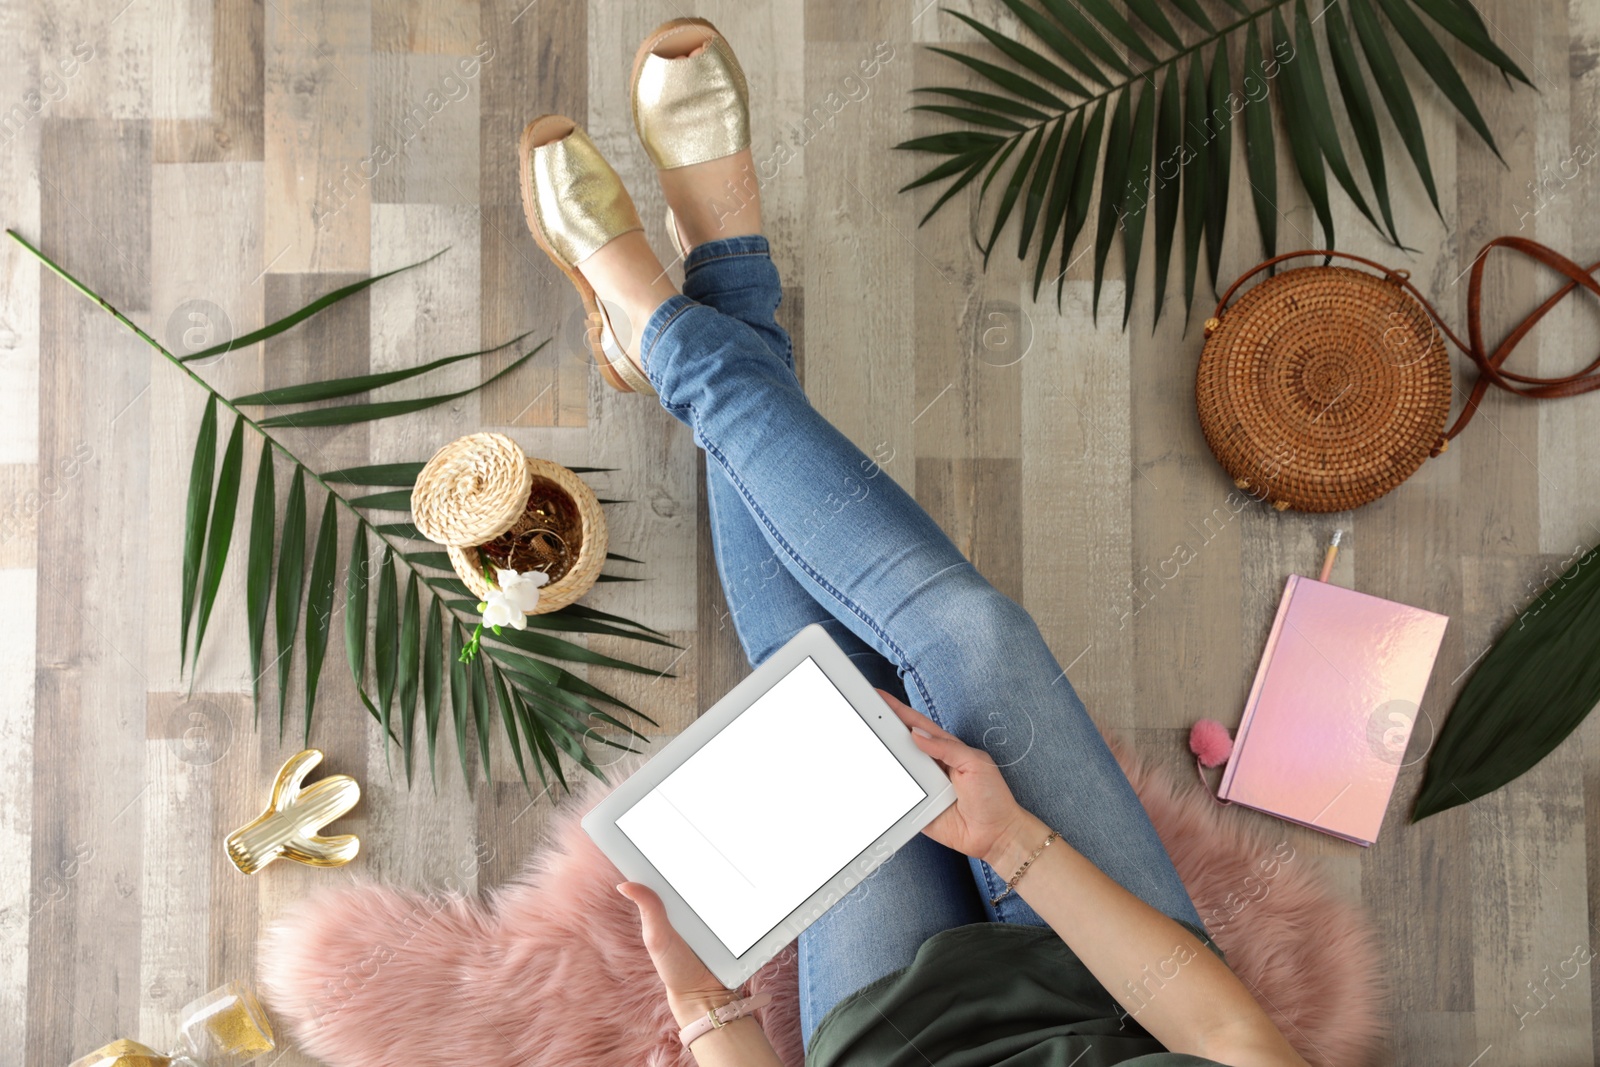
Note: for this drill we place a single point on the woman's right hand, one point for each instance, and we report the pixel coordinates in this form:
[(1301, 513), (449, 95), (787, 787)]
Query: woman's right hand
[(985, 813)]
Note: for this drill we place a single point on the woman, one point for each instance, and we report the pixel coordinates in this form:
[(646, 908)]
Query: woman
[(1038, 922)]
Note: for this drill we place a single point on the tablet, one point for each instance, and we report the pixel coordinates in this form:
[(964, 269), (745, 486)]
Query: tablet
[(781, 798)]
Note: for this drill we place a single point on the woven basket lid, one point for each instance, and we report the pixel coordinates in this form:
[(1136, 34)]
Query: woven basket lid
[(1323, 388), (472, 490)]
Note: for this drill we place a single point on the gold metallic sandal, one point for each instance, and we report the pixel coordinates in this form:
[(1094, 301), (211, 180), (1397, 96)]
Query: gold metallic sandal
[(575, 205), (692, 109)]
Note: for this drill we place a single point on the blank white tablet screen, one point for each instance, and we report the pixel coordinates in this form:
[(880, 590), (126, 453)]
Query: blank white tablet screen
[(771, 808)]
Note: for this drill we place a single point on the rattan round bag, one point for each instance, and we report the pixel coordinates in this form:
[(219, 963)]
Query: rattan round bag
[(493, 506), (1325, 387)]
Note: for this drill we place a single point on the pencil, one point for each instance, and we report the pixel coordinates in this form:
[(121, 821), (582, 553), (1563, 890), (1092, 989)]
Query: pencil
[(1327, 558)]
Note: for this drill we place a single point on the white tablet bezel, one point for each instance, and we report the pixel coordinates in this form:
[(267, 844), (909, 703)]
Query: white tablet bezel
[(811, 643)]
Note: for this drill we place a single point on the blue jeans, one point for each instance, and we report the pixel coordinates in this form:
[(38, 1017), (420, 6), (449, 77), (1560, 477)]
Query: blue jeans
[(808, 529)]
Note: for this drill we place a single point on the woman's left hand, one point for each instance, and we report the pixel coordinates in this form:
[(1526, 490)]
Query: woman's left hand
[(985, 812), (692, 990)]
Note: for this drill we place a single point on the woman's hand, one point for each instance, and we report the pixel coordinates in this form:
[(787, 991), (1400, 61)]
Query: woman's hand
[(692, 990), (985, 812)]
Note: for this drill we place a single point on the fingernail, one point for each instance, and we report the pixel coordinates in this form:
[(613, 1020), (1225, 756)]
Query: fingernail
[(921, 732)]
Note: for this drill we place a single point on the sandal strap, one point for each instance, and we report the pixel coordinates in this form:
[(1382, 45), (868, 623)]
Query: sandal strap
[(626, 369), (579, 203), (693, 109)]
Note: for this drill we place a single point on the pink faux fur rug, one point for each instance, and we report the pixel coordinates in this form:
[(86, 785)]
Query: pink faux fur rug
[(549, 970)]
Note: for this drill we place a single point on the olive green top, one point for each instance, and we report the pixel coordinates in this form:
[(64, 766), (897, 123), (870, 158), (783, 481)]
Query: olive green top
[(996, 995)]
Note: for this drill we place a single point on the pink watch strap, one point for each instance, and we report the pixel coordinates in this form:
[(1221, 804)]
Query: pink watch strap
[(716, 1020)]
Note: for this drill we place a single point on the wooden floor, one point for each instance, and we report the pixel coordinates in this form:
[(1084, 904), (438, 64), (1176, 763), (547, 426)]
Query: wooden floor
[(210, 157)]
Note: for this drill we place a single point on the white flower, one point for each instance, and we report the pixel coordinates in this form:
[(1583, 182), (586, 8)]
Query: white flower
[(498, 612), (513, 596), (522, 590)]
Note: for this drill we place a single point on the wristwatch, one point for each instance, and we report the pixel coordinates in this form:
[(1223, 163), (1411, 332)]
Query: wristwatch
[(716, 1020)]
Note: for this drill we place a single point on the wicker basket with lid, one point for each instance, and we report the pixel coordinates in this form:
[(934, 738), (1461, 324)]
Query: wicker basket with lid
[(1324, 387), (481, 494)]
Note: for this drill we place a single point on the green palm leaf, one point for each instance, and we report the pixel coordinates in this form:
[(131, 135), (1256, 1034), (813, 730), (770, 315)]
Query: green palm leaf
[(547, 750), (346, 414), (1396, 97), (1002, 105), (459, 709), (478, 698), (258, 567), (1072, 20), (1008, 80), (568, 733), (334, 388), (409, 667), (1462, 21), (1136, 206), (556, 648), (1316, 108), (1169, 142), (1535, 686), (322, 303), (1196, 150), (1306, 148), (386, 642), (1219, 159), (1078, 60), (201, 469), (1050, 33), (1082, 187), (396, 500), (1437, 63), (291, 577), (223, 510), (1261, 155), (967, 165), (1363, 116), (319, 602), (432, 683), (355, 607), (508, 719), (1060, 198), (408, 656), (1112, 19), (583, 611), (1033, 205), (524, 715), (975, 115), (1019, 175), (1113, 188), (1149, 12), (378, 474), (1195, 13), (406, 531)]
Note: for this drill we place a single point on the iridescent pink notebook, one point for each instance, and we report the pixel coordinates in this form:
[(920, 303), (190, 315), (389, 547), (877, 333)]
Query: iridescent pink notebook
[(1328, 718)]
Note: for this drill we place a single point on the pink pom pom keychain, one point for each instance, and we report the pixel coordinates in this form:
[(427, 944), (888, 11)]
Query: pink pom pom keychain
[(1211, 744)]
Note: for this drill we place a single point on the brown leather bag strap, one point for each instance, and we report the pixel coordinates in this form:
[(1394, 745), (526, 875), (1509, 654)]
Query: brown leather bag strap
[(1489, 363)]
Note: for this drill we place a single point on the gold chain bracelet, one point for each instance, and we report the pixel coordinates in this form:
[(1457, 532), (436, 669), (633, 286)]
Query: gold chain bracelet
[(1015, 878)]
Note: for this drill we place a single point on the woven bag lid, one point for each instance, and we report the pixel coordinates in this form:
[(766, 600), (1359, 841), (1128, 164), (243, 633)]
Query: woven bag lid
[(472, 490), (1323, 388)]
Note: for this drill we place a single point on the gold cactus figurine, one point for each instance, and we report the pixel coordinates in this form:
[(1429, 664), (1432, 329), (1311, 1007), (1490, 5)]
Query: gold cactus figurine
[(289, 826)]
